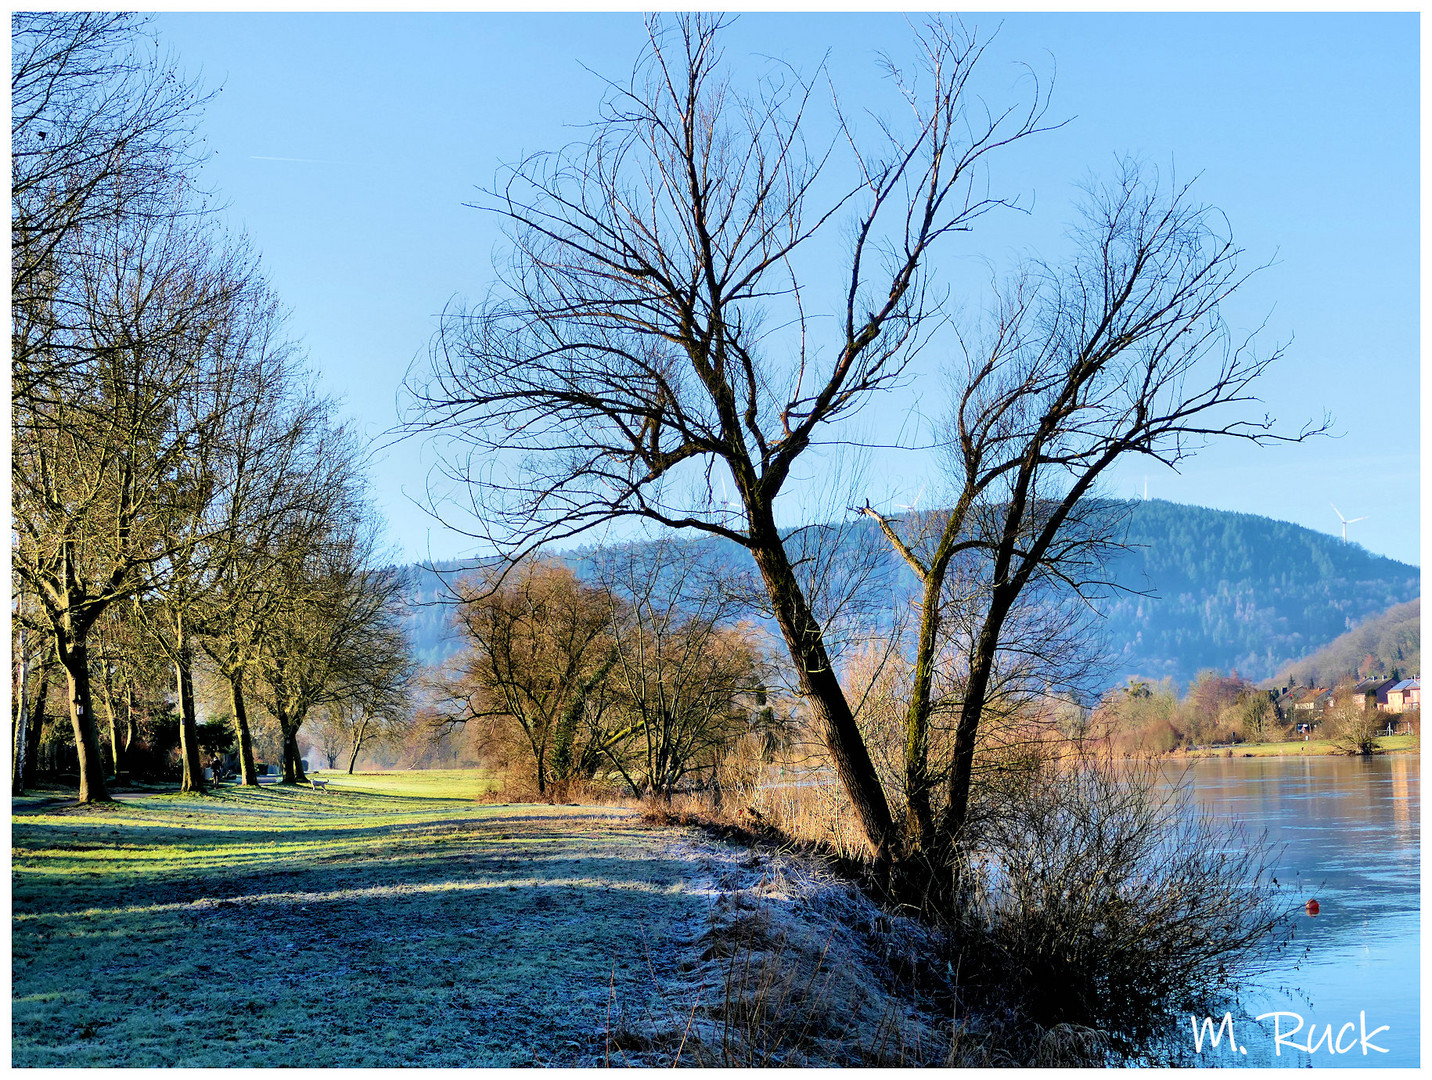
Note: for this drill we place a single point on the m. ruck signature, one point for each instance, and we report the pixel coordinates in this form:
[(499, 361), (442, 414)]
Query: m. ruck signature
[(1351, 1036)]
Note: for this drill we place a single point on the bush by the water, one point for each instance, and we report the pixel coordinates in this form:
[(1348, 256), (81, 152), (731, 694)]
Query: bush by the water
[(1099, 898)]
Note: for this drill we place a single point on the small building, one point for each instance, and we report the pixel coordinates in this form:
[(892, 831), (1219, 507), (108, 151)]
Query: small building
[(1374, 692), (1309, 702), (1283, 700), (1405, 696)]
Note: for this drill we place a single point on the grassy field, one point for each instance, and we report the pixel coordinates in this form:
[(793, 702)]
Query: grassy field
[(1390, 744), (391, 921), (460, 784)]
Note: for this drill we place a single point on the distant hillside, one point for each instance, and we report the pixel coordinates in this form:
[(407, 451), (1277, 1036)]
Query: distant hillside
[(1385, 646), (1239, 591), (429, 619), (1229, 591)]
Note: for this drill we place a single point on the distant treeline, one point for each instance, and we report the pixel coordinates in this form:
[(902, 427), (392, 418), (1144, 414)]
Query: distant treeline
[(1203, 589)]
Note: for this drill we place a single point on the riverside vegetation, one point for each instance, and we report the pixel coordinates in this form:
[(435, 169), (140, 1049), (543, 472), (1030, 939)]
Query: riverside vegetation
[(1226, 714)]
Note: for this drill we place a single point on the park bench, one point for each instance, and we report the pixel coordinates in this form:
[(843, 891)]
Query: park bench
[(318, 785)]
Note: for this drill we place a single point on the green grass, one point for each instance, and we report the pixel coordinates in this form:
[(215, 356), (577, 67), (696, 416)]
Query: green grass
[(461, 784), (1388, 744), (390, 921)]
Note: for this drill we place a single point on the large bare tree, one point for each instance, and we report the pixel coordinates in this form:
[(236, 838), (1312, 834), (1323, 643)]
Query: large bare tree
[(626, 360), (1123, 351), (655, 349)]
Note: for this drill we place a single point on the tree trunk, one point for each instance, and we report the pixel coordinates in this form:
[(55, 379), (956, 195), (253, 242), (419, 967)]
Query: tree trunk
[(357, 745), (116, 750), (248, 773), (37, 722), (22, 712), (21, 724), (74, 656), (853, 766), (919, 823), (976, 687), (188, 730), (564, 765), (130, 727), (292, 763)]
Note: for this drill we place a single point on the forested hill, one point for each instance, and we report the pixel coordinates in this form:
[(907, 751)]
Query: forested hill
[(1229, 591), (1239, 591), (1386, 646)]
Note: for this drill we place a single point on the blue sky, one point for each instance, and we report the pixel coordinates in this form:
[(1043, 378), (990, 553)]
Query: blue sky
[(345, 145)]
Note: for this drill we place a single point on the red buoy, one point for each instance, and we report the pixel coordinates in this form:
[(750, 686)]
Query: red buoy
[(1312, 907)]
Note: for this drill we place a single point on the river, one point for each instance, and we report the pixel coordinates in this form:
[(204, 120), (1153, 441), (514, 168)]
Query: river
[(1349, 830)]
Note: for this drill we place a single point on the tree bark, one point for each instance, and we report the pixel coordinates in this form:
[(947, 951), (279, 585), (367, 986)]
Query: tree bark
[(248, 773), (822, 689), (919, 824), (292, 764), (74, 656), (188, 729)]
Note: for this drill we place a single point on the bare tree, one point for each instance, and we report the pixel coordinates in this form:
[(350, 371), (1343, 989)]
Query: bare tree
[(374, 704), (538, 646), (625, 366), (103, 447), (228, 386), (100, 126), (687, 678), (333, 599), (275, 481), (1124, 351)]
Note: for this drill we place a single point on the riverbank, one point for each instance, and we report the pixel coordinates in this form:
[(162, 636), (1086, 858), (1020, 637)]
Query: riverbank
[(396, 921), (1390, 744)]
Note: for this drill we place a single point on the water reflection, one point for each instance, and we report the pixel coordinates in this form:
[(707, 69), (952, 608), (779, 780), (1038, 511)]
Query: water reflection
[(1350, 837)]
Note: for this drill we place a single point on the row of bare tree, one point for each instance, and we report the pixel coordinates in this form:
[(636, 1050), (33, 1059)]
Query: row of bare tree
[(180, 488)]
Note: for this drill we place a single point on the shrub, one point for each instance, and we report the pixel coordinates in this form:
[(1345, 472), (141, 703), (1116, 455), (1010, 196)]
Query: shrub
[(1157, 736), (1352, 729), (1100, 898)]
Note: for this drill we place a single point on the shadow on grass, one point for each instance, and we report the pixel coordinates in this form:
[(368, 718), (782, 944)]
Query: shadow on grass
[(457, 941)]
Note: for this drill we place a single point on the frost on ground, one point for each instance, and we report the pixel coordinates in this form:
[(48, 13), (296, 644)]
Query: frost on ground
[(355, 930), (786, 966)]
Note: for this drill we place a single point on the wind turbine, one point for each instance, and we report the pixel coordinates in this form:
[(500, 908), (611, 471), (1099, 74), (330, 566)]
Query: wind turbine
[(1346, 521), (726, 499), (914, 505)]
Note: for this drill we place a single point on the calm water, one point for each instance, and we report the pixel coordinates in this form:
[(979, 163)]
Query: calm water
[(1349, 829)]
